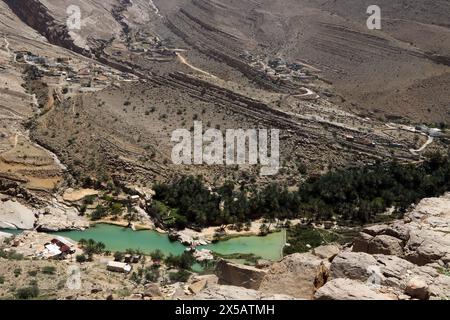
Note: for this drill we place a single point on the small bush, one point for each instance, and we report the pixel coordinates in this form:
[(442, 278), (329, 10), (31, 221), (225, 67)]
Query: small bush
[(180, 276), (32, 273), (81, 258), (17, 272), (49, 270), (27, 292)]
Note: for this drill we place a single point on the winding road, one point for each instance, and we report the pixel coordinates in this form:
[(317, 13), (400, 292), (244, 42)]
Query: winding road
[(155, 8), (428, 142), (7, 45), (184, 61)]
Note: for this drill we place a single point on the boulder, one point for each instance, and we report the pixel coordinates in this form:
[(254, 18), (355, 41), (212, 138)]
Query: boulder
[(347, 289), (352, 265), (361, 243), (327, 252), (197, 286), (417, 288), (151, 290), (385, 244), (225, 292), (297, 275), (426, 246), (239, 275)]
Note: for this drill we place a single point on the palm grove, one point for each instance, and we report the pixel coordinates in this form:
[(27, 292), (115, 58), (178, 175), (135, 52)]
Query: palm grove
[(353, 195)]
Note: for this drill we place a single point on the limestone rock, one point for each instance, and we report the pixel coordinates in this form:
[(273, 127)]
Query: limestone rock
[(417, 288), (225, 292), (58, 217), (297, 275), (239, 275), (361, 243), (151, 290), (197, 286), (14, 215), (385, 244), (347, 289), (353, 265), (327, 252)]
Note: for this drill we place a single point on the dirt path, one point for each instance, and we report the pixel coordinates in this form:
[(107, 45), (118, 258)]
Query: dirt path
[(426, 144), (7, 46), (184, 61), (155, 8)]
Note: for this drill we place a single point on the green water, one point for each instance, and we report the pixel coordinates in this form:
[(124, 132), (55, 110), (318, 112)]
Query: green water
[(119, 239), (268, 247), (12, 231)]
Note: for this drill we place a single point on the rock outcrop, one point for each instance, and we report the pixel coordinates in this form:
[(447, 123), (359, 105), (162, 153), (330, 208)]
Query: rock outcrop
[(14, 215), (402, 260), (225, 292), (57, 217), (347, 289), (239, 275), (423, 236), (297, 275)]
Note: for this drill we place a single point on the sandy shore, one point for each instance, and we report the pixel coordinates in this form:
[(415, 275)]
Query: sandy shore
[(208, 233)]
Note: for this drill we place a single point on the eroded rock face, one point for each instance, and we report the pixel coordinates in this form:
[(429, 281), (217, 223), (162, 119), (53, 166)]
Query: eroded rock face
[(348, 289), (57, 217), (14, 215), (297, 275), (423, 237), (390, 271), (225, 292), (327, 252), (385, 244), (239, 275)]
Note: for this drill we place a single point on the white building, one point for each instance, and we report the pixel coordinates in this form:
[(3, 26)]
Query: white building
[(118, 267)]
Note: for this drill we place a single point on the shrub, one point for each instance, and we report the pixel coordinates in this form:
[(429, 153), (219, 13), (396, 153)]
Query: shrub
[(180, 276), (48, 270), (157, 255), (118, 256), (17, 272), (32, 273), (81, 258), (27, 292)]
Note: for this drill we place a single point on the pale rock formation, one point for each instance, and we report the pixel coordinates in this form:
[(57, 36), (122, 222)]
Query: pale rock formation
[(14, 215), (239, 275), (348, 289), (226, 292), (297, 275), (58, 217), (327, 252)]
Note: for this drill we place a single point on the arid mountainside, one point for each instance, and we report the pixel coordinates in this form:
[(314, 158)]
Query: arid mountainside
[(146, 68)]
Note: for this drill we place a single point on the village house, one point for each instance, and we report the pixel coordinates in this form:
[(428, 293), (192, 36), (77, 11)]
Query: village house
[(57, 248), (115, 266)]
